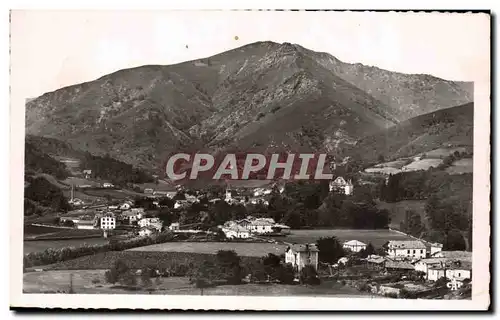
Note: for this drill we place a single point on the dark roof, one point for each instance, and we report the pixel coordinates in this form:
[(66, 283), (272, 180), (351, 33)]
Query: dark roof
[(303, 247)]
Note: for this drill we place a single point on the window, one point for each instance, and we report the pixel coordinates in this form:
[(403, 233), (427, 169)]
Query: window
[(414, 251), (408, 251), (422, 251)]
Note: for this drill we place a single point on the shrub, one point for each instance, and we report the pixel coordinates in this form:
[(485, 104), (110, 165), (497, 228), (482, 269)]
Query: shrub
[(391, 295), (309, 275)]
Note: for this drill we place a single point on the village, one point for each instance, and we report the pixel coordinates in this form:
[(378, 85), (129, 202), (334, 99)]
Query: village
[(412, 265)]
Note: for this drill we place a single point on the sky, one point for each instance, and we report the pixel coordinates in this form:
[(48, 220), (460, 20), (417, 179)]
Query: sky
[(54, 49)]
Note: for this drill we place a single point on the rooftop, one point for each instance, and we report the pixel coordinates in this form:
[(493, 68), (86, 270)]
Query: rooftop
[(406, 244), (354, 243), (303, 247)]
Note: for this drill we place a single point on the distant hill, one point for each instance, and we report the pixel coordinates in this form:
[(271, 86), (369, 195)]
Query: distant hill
[(262, 96), (451, 127)]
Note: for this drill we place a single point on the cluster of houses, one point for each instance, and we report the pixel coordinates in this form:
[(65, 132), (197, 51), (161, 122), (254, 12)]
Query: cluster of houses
[(250, 226), (402, 256)]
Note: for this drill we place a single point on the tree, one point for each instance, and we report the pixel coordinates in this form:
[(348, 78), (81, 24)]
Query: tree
[(369, 250), (454, 241), (272, 264), (330, 250), (309, 275), (228, 265), (68, 223)]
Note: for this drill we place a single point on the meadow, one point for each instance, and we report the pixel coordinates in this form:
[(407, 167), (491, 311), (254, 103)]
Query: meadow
[(377, 237), (461, 166), (398, 210), (41, 245), (93, 282), (242, 248)]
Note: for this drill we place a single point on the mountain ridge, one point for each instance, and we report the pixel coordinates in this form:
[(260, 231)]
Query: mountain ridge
[(254, 96)]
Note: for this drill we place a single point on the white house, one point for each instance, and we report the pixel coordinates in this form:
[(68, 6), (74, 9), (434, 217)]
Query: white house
[(126, 205), (87, 173), (459, 270), (150, 222), (300, 255), (236, 232), (260, 226), (424, 264), (435, 272), (258, 192), (435, 248), (341, 185), (147, 231), (108, 222), (174, 226), (85, 224), (354, 245), (107, 185), (406, 249), (76, 202)]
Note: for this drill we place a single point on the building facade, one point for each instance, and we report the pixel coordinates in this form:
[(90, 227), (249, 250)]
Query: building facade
[(301, 255), (412, 249)]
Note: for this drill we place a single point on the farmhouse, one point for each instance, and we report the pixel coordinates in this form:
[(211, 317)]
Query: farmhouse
[(150, 222), (342, 186), (174, 226), (108, 222), (85, 224), (399, 266), (147, 231), (87, 173), (354, 245), (107, 185), (260, 226), (236, 232), (411, 249), (424, 264), (149, 191), (300, 255), (459, 270), (126, 205), (436, 272), (435, 248)]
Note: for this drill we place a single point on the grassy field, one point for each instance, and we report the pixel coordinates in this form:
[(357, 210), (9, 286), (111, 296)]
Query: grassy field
[(93, 282), (398, 210), (423, 164), (242, 249), (41, 245), (376, 237), (443, 152), (135, 260), (461, 166)]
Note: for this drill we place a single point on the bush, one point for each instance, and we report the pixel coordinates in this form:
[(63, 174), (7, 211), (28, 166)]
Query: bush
[(309, 275), (391, 295)]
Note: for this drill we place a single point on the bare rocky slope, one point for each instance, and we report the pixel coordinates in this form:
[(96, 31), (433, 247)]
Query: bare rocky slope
[(260, 96)]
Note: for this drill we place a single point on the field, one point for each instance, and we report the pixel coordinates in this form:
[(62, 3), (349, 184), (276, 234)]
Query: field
[(383, 170), (41, 245), (398, 210), (443, 152), (376, 237), (80, 181), (242, 249), (461, 166), (30, 230), (59, 281), (134, 260), (423, 164)]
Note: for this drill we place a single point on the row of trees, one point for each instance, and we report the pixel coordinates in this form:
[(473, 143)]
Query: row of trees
[(119, 173), (41, 192)]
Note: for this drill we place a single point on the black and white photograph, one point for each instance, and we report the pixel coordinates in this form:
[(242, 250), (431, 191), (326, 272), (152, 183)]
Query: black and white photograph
[(242, 154)]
